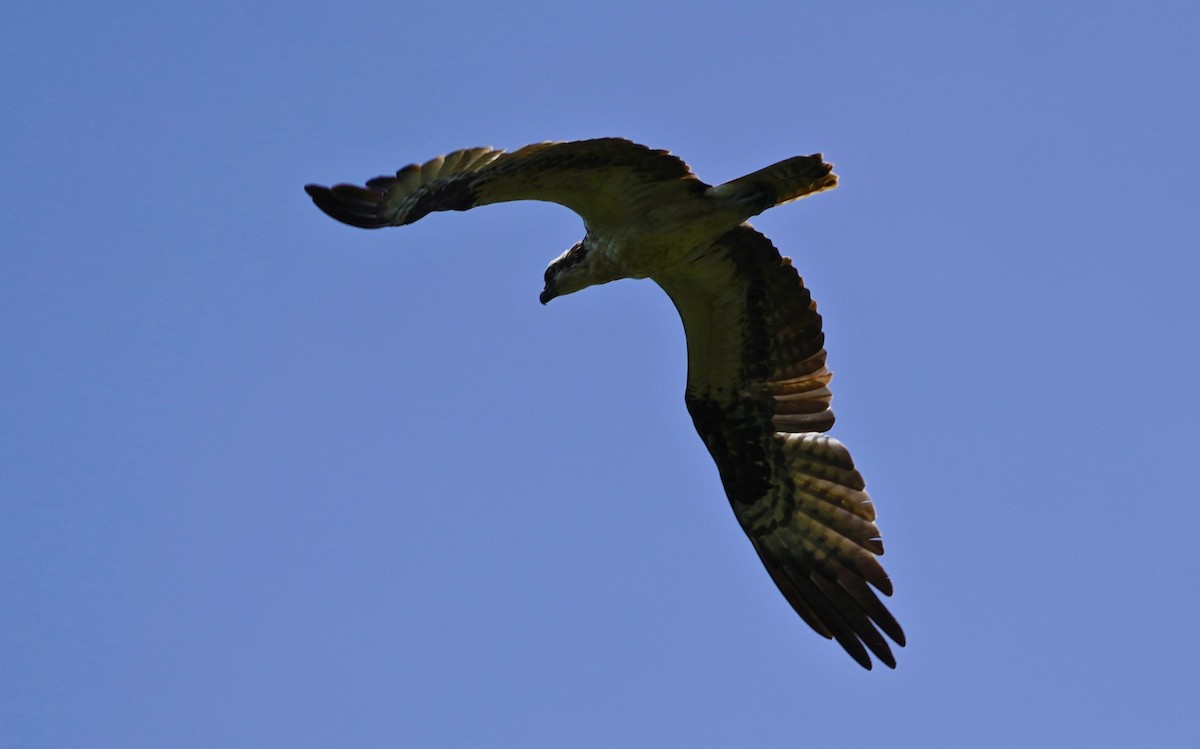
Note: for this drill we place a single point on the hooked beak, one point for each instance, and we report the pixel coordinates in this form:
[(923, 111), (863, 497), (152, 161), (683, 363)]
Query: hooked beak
[(548, 293)]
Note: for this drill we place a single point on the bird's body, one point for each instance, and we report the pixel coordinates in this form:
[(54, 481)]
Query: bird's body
[(757, 382)]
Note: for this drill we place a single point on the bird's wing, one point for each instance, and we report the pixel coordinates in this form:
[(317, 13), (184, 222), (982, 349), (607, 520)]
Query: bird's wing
[(607, 181), (758, 393)]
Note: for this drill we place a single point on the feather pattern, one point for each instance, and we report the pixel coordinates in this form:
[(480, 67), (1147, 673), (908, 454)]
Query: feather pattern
[(604, 181), (759, 397)]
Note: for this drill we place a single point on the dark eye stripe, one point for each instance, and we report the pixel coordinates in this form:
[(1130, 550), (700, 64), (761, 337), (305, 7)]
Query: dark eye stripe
[(573, 257), (576, 255)]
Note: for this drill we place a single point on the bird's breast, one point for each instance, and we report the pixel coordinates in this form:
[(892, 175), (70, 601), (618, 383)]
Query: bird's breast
[(663, 240)]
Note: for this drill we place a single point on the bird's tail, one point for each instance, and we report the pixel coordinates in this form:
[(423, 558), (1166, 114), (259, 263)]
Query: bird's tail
[(788, 180)]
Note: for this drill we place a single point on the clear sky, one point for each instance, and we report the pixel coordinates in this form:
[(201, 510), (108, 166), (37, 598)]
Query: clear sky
[(267, 480)]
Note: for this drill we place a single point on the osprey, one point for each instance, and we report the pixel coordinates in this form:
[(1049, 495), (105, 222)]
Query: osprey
[(757, 384)]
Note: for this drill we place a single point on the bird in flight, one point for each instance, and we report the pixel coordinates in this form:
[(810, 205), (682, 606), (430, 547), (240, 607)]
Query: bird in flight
[(757, 384)]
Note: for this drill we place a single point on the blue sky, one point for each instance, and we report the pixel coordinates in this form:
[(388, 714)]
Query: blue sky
[(266, 480)]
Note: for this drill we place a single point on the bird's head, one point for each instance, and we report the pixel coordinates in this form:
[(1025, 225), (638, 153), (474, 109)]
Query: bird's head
[(571, 271)]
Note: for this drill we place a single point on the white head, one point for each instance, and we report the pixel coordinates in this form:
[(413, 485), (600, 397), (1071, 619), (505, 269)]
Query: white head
[(576, 269)]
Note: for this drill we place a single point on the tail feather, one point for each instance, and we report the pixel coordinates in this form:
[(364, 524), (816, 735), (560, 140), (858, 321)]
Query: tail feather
[(779, 183)]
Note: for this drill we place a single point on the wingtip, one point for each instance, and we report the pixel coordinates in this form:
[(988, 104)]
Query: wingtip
[(862, 658), (350, 204), (880, 650)]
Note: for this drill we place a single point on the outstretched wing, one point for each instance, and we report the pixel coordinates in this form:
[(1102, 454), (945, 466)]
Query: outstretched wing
[(607, 181), (758, 393)]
